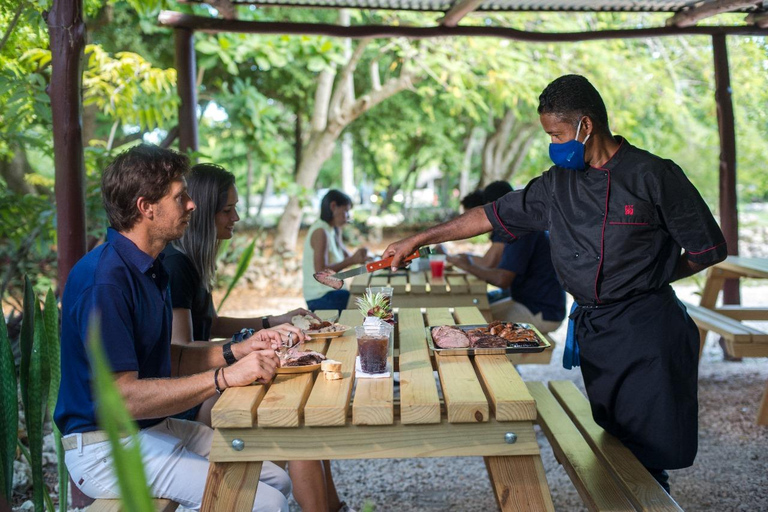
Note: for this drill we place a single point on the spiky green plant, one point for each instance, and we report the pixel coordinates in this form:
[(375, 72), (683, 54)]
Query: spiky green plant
[(9, 421), (117, 422), (375, 304), (242, 266)]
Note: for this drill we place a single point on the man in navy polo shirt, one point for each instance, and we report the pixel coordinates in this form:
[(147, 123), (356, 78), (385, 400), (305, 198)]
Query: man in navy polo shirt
[(124, 282)]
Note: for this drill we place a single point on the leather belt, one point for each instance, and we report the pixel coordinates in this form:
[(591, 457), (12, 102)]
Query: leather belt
[(96, 436)]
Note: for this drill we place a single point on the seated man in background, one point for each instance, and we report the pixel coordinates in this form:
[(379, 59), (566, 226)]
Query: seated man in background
[(524, 269), (124, 281)]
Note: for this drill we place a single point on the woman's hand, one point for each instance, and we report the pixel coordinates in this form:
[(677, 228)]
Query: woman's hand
[(286, 318)]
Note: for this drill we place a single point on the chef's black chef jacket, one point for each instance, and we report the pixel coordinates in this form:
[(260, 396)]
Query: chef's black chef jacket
[(616, 235)]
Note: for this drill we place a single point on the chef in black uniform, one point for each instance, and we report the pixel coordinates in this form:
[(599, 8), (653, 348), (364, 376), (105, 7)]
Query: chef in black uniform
[(623, 224)]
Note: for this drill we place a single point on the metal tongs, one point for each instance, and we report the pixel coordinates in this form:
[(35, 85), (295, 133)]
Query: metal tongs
[(336, 280)]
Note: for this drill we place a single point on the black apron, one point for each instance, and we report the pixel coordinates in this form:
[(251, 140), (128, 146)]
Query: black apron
[(639, 359)]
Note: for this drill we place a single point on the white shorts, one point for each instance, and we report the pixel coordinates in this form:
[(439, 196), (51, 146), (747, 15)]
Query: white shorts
[(175, 455)]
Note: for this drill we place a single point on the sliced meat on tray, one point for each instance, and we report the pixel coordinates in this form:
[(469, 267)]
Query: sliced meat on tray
[(488, 341), (296, 358), (447, 336)]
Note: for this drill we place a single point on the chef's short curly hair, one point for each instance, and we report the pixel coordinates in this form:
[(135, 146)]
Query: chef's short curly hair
[(572, 97), (142, 171)]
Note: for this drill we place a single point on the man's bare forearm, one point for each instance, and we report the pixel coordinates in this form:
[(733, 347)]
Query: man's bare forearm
[(157, 398), (472, 223)]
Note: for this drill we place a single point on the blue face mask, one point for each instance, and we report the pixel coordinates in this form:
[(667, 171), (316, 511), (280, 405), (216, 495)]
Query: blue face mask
[(569, 154)]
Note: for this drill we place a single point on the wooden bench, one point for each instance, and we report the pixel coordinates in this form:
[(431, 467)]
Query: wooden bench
[(606, 474), (741, 340), (114, 506)]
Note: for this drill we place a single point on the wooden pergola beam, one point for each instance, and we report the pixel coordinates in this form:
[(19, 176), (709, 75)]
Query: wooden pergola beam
[(689, 17), (460, 9), (758, 18), (204, 24)]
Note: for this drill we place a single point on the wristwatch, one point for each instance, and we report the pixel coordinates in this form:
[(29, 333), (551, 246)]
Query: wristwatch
[(229, 357), (265, 322)]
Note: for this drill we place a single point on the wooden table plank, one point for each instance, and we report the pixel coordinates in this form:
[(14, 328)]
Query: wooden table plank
[(231, 486), (399, 283), (747, 267), (519, 483), (418, 282), (468, 315), (712, 286), (437, 285), (379, 280), (507, 391), (476, 285), (283, 405), (439, 316), (237, 407), (374, 402), (359, 284), (375, 442), (419, 401), (328, 403), (458, 283)]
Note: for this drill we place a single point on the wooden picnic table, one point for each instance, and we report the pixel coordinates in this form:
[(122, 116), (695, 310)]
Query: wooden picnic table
[(741, 340), (420, 289), (482, 408)]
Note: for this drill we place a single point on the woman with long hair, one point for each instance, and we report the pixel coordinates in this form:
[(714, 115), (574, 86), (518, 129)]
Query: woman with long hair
[(325, 249), (191, 263)]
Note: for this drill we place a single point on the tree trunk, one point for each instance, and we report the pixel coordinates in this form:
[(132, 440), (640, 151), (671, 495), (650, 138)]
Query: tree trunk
[(466, 165), (394, 187), (14, 170), (505, 148), (318, 150)]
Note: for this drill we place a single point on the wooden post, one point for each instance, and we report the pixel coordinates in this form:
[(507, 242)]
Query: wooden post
[(185, 80), (67, 39), (729, 216)]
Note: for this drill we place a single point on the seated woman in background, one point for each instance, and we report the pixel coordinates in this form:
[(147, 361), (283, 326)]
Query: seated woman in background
[(191, 264), (324, 249)]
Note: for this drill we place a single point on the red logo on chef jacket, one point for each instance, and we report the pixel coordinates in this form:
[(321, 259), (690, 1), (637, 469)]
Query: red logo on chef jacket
[(629, 209)]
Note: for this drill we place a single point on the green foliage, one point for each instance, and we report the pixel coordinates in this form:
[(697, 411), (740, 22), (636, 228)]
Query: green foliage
[(242, 266), (9, 405), (117, 422)]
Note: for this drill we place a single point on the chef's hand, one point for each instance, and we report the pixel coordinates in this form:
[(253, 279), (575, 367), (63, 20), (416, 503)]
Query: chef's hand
[(286, 318), (258, 366), (401, 250), (463, 261)]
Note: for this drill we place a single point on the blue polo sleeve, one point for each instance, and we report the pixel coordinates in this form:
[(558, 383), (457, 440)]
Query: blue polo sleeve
[(117, 328)]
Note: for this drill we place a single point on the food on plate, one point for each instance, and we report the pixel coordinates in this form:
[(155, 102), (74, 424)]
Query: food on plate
[(325, 327), (326, 277), (376, 305), (448, 336), (333, 375), (303, 321), (329, 365), (293, 357)]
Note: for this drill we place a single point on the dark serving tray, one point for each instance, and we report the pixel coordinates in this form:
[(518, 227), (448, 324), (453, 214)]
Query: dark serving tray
[(469, 351)]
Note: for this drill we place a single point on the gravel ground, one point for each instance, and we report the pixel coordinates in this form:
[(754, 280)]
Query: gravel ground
[(730, 472)]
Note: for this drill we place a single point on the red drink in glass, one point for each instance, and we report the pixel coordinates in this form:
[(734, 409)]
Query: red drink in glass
[(437, 268)]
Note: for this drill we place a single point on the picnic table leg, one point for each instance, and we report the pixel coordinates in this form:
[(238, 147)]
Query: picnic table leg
[(762, 411), (231, 486), (519, 483)]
